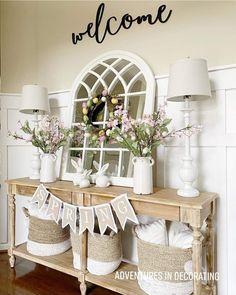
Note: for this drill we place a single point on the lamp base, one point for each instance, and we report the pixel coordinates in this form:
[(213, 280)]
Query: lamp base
[(188, 193), (35, 165)]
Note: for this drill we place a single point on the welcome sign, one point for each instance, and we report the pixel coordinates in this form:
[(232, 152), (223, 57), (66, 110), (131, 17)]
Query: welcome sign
[(113, 25), (69, 213)]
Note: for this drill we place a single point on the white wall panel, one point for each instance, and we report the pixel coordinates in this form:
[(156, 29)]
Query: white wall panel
[(231, 217), (19, 166), (231, 111)]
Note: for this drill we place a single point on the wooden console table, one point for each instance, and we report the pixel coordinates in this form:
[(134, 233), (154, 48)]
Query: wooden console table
[(163, 203)]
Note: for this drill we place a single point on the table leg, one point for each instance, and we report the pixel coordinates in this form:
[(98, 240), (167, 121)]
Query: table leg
[(211, 249), (197, 260), (11, 204), (83, 261), (83, 288)]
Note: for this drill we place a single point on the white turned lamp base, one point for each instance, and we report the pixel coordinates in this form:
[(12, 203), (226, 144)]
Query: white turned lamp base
[(35, 165), (188, 174), (188, 193)]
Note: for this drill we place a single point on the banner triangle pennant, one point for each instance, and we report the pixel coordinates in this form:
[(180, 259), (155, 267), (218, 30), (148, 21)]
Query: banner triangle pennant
[(124, 210), (40, 196), (105, 218), (86, 219), (69, 216), (54, 207)]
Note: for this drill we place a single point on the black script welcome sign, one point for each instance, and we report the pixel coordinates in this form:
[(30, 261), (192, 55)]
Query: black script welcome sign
[(94, 30)]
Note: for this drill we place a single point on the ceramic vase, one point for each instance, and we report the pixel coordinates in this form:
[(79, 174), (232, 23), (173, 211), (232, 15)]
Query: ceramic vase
[(143, 183), (48, 168)]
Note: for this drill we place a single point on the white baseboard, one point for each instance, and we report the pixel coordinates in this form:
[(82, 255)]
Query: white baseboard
[(4, 247)]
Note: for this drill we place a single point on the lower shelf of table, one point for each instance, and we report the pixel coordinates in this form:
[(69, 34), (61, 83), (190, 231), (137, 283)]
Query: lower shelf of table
[(64, 263)]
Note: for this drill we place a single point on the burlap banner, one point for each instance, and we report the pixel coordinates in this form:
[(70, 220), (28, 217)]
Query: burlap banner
[(105, 215)]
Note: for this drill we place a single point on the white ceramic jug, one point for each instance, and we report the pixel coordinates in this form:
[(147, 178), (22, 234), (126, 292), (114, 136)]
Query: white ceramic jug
[(47, 172), (143, 183)]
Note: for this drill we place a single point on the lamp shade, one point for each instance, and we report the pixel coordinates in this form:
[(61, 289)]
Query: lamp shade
[(188, 77), (34, 98)]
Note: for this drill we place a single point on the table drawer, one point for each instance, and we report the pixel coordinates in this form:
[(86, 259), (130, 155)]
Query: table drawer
[(148, 208), (29, 191), (157, 210)]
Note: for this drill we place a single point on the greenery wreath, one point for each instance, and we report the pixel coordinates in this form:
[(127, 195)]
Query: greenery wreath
[(93, 111)]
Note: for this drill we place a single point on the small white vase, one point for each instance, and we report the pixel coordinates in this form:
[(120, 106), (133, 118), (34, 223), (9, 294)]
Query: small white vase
[(143, 183), (47, 172)]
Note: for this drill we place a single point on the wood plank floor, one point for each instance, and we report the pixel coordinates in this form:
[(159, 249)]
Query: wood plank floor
[(29, 278)]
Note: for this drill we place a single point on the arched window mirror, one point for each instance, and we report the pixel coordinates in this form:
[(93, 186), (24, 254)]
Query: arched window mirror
[(122, 73)]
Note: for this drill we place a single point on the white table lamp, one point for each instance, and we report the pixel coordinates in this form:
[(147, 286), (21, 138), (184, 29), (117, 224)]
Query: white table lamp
[(35, 101), (188, 81)]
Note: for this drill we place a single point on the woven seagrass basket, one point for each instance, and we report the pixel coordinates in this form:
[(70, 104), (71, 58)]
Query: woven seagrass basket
[(46, 237), (162, 269), (104, 252)]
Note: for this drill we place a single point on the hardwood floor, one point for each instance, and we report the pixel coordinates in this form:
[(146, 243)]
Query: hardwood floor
[(29, 278)]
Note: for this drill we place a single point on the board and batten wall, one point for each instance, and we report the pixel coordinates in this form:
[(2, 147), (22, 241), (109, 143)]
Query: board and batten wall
[(213, 150)]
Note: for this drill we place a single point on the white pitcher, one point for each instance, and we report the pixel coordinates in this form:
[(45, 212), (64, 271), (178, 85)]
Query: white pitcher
[(143, 183), (47, 172)]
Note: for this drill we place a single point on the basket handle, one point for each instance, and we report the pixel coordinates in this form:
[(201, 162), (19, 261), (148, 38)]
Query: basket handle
[(26, 212), (134, 232)]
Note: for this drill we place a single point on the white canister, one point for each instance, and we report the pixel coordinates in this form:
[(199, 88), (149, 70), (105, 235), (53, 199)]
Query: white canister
[(143, 183), (48, 167)]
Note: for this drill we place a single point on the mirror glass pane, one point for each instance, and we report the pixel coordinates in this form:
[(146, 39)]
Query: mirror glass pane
[(117, 88), (130, 73), (120, 65), (77, 114), (97, 88), (91, 156), (126, 164), (111, 157), (110, 61), (136, 105), (75, 155), (78, 138), (99, 69), (82, 92), (139, 85), (90, 80)]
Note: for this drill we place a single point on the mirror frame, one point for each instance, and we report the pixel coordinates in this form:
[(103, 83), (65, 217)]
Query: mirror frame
[(149, 104)]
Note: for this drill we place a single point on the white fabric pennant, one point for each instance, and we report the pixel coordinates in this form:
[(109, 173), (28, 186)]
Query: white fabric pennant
[(124, 210), (54, 207), (69, 216), (105, 218), (86, 219), (40, 196)]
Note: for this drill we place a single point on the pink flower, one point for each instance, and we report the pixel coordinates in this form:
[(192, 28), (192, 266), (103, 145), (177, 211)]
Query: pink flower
[(84, 104), (102, 138), (105, 92), (28, 137), (110, 124)]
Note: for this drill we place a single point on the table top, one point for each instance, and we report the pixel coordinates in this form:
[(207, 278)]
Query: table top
[(164, 196)]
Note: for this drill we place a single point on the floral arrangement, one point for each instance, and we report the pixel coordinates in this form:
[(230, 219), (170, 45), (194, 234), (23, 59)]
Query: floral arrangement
[(141, 136), (49, 136), (93, 111)]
